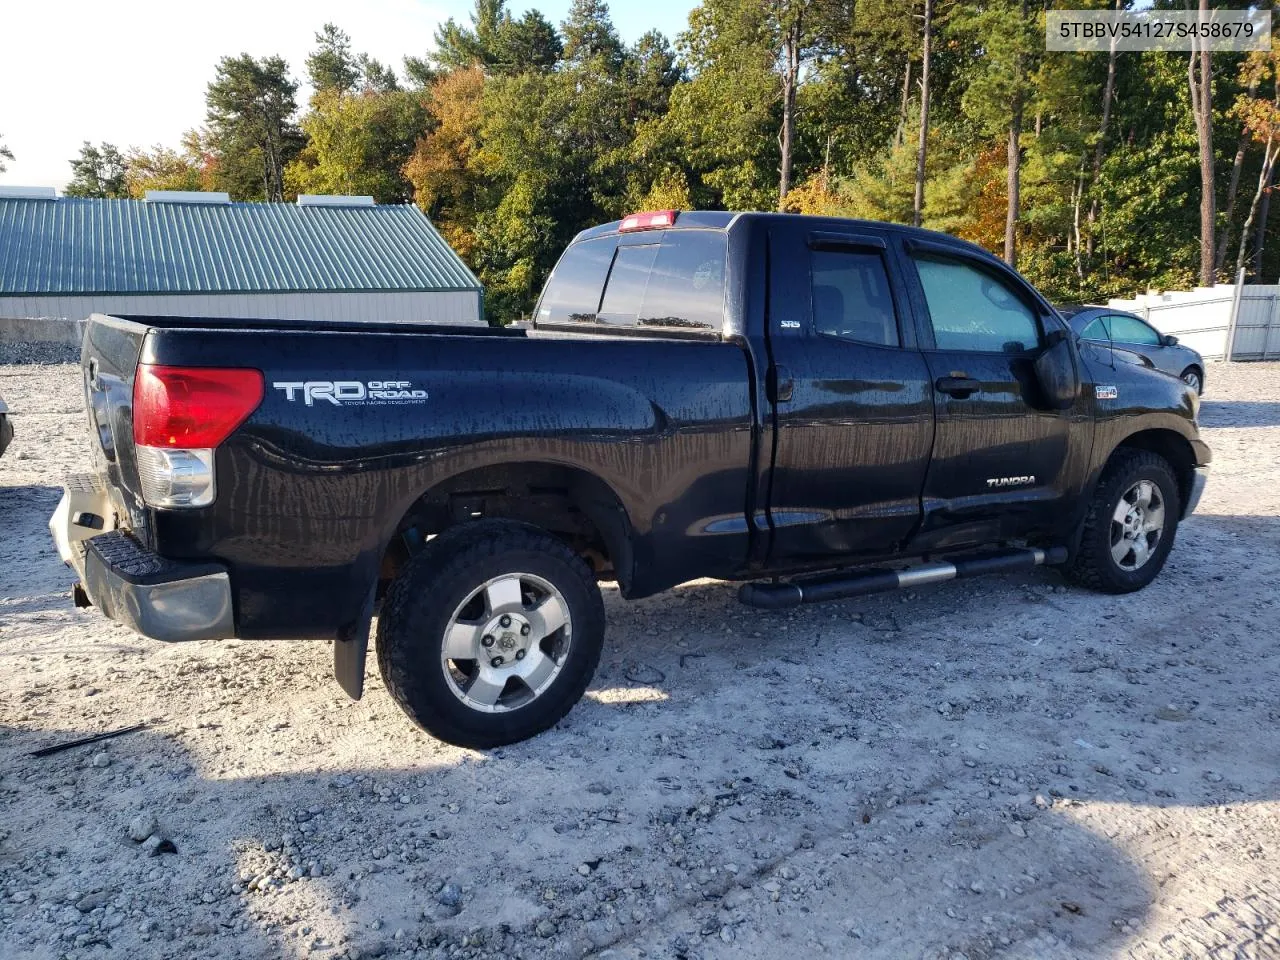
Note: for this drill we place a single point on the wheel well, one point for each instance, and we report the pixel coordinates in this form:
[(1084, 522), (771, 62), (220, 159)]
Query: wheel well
[(1174, 448), (576, 506)]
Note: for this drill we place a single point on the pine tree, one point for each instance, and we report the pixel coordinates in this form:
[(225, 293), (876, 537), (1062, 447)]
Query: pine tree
[(99, 172), (251, 104)]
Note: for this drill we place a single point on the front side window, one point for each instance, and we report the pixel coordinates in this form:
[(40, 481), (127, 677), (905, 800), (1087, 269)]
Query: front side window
[(974, 311), (1096, 329), (1132, 330), (852, 297)]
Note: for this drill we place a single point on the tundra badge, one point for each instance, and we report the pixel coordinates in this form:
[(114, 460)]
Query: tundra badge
[(1010, 481)]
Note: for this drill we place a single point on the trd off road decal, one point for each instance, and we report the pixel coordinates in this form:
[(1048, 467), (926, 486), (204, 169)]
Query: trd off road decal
[(350, 393)]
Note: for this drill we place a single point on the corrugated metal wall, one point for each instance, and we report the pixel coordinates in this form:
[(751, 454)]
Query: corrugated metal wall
[(375, 306)]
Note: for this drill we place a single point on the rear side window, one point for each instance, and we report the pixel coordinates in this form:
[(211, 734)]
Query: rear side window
[(676, 280), (973, 310), (573, 290), (852, 298)]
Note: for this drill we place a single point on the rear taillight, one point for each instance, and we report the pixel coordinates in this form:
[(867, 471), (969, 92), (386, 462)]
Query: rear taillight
[(180, 414), (191, 406)]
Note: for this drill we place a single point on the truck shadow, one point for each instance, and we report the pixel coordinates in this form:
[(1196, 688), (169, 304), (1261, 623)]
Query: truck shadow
[(892, 778), (29, 565), (1239, 413)]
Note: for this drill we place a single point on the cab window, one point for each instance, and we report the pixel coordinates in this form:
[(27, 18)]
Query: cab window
[(628, 278), (686, 287), (973, 310), (572, 294), (852, 298), (673, 278)]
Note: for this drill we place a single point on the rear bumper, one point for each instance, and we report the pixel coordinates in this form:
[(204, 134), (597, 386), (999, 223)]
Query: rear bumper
[(151, 595), (1198, 480)]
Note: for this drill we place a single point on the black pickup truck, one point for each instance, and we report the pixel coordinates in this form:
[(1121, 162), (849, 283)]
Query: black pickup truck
[(827, 407)]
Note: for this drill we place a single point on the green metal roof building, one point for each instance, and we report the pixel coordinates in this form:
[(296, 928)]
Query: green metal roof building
[(199, 254)]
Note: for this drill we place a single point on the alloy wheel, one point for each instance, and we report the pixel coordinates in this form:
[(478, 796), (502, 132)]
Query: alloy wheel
[(1137, 524), (506, 643)]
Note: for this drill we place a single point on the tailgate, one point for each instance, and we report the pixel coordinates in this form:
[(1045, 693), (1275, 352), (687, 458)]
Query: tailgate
[(108, 361)]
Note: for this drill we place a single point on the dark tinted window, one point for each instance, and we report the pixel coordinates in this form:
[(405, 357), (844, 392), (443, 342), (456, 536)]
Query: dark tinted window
[(974, 310), (572, 294), (677, 280), (624, 290), (852, 298), (686, 288)]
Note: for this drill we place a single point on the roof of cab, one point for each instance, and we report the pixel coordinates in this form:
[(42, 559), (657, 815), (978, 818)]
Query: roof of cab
[(723, 220)]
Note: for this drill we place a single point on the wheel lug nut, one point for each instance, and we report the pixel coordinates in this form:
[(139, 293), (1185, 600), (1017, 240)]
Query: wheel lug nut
[(505, 620), (524, 631), (486, 641), (519, 654), (497, 661)]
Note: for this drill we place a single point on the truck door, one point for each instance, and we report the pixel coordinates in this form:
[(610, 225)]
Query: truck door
[(1000, 465), (851, 394)]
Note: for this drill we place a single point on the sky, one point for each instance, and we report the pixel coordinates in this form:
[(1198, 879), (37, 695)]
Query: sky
[(133, 72)]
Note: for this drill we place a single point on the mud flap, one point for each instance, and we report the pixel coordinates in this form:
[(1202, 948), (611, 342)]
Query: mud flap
[(350, 648)]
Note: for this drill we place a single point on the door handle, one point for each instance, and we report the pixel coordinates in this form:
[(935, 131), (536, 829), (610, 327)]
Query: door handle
[(779, 384), (959, 387)]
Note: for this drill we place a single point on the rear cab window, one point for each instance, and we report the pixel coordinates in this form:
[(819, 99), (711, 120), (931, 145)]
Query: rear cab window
[(673, 279)]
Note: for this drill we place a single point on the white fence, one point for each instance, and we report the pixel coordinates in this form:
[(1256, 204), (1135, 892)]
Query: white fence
[(1241, 322)]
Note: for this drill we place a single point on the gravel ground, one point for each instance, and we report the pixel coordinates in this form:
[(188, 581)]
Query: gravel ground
[(1004, 767)]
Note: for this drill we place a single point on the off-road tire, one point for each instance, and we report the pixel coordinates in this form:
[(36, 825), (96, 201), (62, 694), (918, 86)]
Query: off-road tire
[(420, 603), (1093, 565)]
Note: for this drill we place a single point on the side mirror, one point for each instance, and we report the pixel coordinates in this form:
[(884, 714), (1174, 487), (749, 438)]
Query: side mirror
[(1056, 372), (1169, 341)]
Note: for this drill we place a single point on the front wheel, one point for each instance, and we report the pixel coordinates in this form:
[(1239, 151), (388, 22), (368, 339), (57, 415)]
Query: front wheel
[(1193, 379), (1129, 529), (491, 634)]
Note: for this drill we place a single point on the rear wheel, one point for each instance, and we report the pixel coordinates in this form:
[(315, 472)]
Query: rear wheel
[(1129, 529), (1193, 378), (491, 634)]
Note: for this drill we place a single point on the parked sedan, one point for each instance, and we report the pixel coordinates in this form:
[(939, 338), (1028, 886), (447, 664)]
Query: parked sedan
[(1133, 334), (6, 427)]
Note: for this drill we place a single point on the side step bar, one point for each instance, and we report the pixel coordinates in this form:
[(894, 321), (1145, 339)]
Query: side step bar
[(779, 596)]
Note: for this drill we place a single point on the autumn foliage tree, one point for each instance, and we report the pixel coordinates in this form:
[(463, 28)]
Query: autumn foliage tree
[(1089, 170), (442, 165)]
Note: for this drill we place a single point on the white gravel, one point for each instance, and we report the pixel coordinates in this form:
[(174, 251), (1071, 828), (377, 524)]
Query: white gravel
[(1003, 767)]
